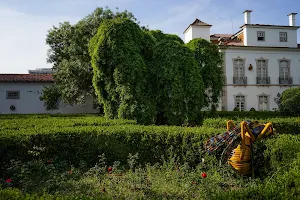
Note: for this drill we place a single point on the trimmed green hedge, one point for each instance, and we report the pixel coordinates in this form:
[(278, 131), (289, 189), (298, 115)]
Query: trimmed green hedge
[(282, 125), (243, 114), (83, 139), (77, 144)]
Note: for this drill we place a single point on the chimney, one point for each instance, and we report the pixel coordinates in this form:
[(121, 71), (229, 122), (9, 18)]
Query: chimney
[(247, 16), (292, 19)]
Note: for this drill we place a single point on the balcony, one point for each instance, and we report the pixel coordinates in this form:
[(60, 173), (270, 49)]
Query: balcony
[(240, 80), (286, 81), (263, 80)]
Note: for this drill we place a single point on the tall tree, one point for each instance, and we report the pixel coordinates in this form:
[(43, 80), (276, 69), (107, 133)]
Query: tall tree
[(119, 53), (176, 80), (210, 62), (70, 58)]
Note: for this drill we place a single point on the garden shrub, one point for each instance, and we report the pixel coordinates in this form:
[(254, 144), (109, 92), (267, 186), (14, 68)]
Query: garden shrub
[(289, 102)]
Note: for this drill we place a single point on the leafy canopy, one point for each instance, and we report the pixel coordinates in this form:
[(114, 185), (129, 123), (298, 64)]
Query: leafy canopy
[(176, 81), (210, 62), (119, 54), (289, 103), (70, 57)]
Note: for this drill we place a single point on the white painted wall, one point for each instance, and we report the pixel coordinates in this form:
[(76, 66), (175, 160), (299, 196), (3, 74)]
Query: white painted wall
[(252, 90), (273, 66), (271, 37), (197, 32), (29, 102), (188, 35), (201, 32), (251, 94)]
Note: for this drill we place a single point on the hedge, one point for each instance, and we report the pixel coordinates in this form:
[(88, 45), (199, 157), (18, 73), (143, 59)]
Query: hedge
[(289, 125), (77, 144), (36, 121), (243, 114), (85, 139)]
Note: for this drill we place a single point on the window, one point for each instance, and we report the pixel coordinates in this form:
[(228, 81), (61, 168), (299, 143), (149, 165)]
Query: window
[(12, 94), (262, 68), (263, 103), (260, 35), (284, 69), (240, 102), (283, 36), (284, 72), (239, 68), (262, 71), (239, 72)]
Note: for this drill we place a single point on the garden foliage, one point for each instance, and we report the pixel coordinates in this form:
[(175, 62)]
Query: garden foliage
[(289, 102), (70, 158)]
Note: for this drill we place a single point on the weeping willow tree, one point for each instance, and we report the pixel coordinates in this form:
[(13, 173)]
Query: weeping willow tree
[(119, 53), (176, 80), (151, 76), (210, 62)]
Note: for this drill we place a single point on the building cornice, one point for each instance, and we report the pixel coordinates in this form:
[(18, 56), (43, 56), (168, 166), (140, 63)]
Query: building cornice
[(269, 26), (259, 48), (263, 85)]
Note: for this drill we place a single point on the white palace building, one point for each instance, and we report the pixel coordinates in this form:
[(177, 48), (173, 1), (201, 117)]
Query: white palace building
[(260, 61)]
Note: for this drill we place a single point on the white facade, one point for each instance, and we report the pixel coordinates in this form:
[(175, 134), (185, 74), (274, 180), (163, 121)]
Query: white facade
[(197, 32), (272, 36), (198, 29), (260, 62), (29, 102)]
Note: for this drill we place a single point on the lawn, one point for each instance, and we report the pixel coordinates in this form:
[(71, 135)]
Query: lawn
[(90, 157)]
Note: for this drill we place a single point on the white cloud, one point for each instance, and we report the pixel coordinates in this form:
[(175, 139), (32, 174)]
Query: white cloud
[(22, 40)]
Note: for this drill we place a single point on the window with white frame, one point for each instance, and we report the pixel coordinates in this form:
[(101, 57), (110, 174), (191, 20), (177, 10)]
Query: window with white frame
[(283, 36), (284, 69), (261, 35), (263, 102), (12, 94), (240, 102), (262, 69), (239, 68)]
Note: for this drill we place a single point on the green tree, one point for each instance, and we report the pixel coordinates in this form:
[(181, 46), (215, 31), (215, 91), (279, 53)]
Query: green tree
[(289, 103), (176, 81), (119, 53), (69, 54), (51, 97), (210, 62)]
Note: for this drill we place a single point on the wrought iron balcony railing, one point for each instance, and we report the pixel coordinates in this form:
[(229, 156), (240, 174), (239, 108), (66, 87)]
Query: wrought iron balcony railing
[(286, 81), (263, 80), (240, 80)]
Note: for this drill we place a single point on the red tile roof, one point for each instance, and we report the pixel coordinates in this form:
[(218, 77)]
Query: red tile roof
[(221, 35), (38, 78), (197, 22)]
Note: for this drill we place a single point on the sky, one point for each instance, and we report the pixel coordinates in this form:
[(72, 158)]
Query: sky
[(25, 23)]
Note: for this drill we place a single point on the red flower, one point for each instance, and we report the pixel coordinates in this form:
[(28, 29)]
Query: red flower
[(109, 169), (204, 175), (50, 161), (8, 180)]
